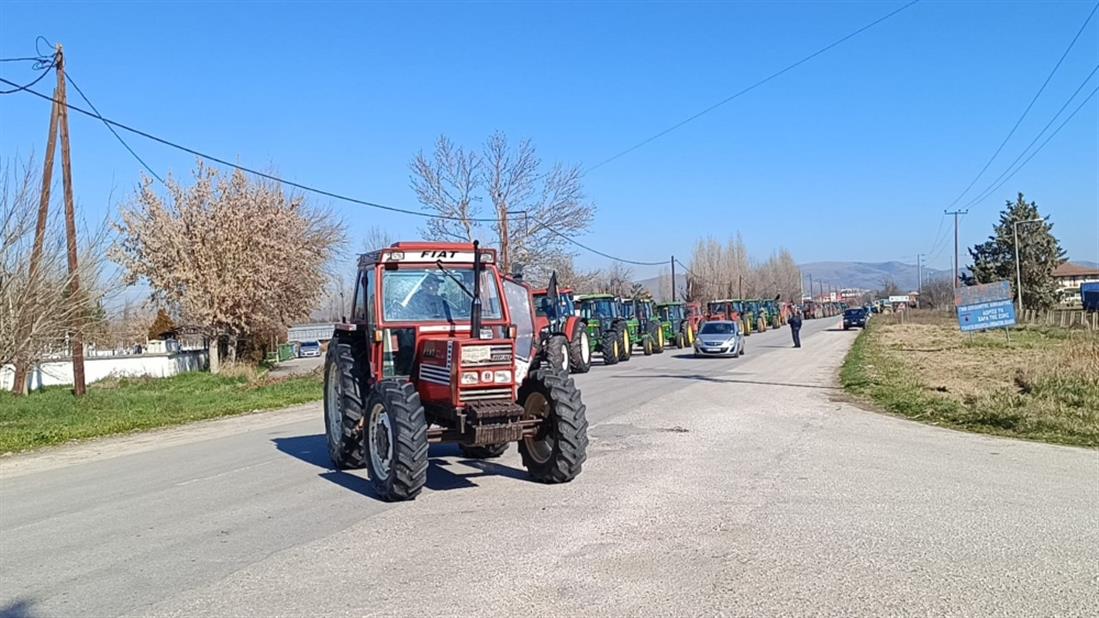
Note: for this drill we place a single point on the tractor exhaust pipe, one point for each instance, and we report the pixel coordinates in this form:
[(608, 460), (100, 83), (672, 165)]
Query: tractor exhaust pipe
[(475, 304)]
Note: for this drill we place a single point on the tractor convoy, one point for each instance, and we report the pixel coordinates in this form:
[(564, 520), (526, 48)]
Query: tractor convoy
[(441, 346)]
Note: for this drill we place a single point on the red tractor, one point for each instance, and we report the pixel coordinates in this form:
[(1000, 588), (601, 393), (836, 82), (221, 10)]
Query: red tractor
[(441, 348), (561, 320)]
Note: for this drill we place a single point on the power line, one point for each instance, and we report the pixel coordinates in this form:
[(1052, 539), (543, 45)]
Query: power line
[(990, 188), (242, 168), (1043, 144), (112, 123), (45, 71), (111, 129), (1028, 107), (748, 89)]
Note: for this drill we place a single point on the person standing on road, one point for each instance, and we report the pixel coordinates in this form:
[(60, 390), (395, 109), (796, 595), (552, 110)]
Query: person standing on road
[(795, 327)]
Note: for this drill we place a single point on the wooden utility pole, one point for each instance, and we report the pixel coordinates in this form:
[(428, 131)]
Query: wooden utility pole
[(77, 342), (20, 381), (673, 297)]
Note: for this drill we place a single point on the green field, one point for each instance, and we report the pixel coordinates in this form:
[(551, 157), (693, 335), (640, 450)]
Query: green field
[(54, 415), (1031, 383)]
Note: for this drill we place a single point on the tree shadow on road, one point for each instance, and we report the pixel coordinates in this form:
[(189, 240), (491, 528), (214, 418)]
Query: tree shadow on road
[(721, 380), (19, 608), (313, 449)]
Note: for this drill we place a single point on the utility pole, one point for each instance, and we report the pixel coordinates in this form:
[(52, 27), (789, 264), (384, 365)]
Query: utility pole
[(740, 293), (919, 279), (505, 257), (1018, 266), (79, 388), (811, 290), (957, 278), (673, 297), (19, 383)]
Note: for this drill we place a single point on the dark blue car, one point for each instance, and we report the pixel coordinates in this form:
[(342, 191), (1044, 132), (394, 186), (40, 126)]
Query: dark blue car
[(854, 317)]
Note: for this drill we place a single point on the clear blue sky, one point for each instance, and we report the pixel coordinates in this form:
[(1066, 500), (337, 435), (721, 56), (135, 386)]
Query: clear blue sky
[(852, 156)]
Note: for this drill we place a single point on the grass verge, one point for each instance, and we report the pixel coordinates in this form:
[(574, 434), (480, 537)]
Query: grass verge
[(1041, 384), (54, 415)]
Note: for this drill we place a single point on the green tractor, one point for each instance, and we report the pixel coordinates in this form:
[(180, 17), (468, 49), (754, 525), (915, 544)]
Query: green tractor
[(676, 324), (758, 314), (774, 313), (649, 334), (608, 331)]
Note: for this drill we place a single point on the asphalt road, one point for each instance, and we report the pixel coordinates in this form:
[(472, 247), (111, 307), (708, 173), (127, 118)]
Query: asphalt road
[(712, 487)]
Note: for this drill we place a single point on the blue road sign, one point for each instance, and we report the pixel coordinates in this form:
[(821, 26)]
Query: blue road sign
[(995, 314)]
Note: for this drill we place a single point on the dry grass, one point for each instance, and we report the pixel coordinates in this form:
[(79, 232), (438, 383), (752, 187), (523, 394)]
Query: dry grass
[(1040, 383)]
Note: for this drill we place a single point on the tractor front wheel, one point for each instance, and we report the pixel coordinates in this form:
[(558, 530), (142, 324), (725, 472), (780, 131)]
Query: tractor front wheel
[(557, 452), (580, 350), (557, 352), (680, 340), (343, 405), (395, 433), (647, 346)]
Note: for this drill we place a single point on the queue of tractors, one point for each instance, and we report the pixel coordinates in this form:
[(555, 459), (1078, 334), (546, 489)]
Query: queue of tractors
[(441, 346)]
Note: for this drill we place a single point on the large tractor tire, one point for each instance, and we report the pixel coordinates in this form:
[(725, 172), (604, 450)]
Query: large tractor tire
[(343, 405), (557, 352), (395, 431), (688, 335), (489, 451), (647, 346), (557, 452), (680, 340), (625, 350), (580, 350), (611, 344), (657, 335)]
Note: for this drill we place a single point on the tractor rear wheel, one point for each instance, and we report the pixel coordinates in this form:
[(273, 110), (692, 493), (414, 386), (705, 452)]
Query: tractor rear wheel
[(557, 452), (343, 405), (396, 440), (657, 332), (625, 350), (580, 350), (611, 345), (488, 451), (557, 352)]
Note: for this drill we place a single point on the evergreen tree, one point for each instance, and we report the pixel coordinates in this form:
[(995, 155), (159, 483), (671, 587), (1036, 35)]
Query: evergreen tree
[(162, 324), (1039, 254)]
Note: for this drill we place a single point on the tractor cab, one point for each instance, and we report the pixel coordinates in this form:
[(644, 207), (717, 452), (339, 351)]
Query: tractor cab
[(672, 312), (439, 348), (572, 348), (724, 309)]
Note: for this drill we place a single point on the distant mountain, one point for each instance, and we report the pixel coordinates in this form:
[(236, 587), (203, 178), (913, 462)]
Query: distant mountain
[(867, 275), (658, 286)]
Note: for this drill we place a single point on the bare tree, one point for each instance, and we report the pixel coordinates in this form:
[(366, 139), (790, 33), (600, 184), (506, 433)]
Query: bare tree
[(938, 293), (37, 314), (618, 280), (376, 238), (237, 257), (542, 207), (446, 184)]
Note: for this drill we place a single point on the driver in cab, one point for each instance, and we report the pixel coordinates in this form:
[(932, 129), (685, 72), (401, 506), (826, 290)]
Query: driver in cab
[(427, 302)]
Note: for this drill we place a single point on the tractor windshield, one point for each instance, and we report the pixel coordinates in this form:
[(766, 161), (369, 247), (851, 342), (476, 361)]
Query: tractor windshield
[(628, 310), (599, 308), (426, 295), (672, 312)]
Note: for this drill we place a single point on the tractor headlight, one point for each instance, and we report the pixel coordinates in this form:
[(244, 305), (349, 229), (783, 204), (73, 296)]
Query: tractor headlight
[(469, 377), (502, 377)]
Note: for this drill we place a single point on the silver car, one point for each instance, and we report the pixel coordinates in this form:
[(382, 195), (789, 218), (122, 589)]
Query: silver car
[(719, 338)]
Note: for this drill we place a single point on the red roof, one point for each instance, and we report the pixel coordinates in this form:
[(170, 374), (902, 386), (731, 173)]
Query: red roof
[(1068, 269)]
